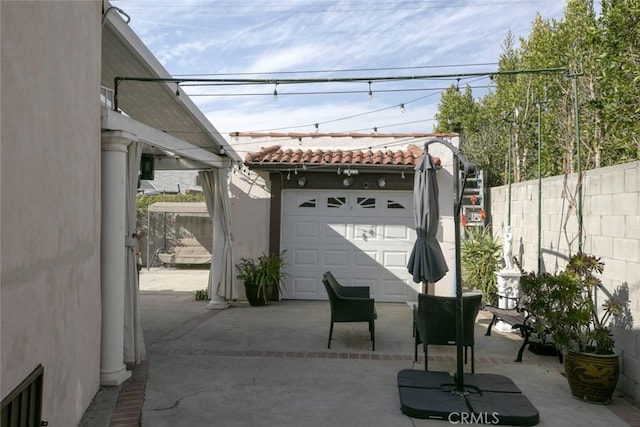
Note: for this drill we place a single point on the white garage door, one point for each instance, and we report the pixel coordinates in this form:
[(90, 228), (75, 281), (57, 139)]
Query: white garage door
[(364, 238)]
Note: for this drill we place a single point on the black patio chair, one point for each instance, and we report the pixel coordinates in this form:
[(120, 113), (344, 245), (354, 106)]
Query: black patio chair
[(435, 323), (350, 304)]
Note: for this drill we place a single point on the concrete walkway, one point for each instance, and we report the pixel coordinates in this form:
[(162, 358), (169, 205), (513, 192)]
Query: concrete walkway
[(249, 366)]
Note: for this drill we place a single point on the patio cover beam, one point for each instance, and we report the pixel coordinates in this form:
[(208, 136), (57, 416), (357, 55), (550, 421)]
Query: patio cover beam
[(112, 120)]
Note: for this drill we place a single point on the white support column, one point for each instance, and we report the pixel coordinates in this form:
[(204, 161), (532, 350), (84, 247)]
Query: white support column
[(113, 371)]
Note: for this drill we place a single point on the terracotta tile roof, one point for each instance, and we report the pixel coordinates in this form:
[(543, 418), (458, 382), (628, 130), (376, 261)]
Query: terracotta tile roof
[(277, 155)]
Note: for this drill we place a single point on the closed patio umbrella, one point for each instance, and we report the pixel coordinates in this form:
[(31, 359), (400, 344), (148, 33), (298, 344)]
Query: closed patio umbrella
[(437, 394), (426, 263)]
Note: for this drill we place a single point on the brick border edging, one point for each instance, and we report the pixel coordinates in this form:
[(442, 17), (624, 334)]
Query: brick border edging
[(128, 409)]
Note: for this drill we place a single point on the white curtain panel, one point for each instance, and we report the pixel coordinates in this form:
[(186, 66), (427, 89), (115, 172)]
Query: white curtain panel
[(227, 272), (134, 348), (215, 186)]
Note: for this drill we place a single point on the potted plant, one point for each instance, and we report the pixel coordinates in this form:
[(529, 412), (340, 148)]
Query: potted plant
[(262, 276), (565, 307)]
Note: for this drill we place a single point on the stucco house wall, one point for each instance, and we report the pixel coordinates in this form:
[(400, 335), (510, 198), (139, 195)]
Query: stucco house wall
[(611, 221), (50, 201), (249, 204)]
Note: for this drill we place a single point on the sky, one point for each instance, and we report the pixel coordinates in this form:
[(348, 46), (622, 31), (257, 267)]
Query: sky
[(267, 41)]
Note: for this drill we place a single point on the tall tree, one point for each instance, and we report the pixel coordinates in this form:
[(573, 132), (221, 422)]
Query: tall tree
[(619, 78), (595, 103)]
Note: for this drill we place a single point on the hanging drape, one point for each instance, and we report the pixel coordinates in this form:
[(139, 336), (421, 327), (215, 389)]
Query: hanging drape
[(215, 189), (134, 348)]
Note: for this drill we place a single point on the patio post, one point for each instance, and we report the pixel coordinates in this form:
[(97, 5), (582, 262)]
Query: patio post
[(113, 371)]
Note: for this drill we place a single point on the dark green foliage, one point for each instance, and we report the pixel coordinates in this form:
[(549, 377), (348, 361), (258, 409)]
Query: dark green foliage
[(202, 295), (564, 306), (480, 255)]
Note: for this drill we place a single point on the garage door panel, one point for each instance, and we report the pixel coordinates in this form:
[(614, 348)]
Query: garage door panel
[(365, 259), (304, 257), (305, 287), (333, 231), (366, 232), (306, 229), (394, 289), (396, 232), (335, 258), (397, 259)]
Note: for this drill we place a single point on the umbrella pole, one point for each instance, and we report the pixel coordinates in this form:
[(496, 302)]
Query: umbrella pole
[(458, 269), (457, 203)]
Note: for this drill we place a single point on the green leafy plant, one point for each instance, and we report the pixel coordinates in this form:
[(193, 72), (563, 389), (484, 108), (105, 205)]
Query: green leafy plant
[(264, 272), (202, 295), (564, 305), (480, 257)]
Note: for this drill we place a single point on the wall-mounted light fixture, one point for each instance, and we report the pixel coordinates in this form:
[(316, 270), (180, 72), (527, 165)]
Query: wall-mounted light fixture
[(347, 182), (302, 181), (382, 182)]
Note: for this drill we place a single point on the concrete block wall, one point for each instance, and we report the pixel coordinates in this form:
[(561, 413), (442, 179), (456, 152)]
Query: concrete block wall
[(167, 230), (611, 224)]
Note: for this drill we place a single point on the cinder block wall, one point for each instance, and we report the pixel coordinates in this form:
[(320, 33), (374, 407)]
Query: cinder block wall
[(611, 222)]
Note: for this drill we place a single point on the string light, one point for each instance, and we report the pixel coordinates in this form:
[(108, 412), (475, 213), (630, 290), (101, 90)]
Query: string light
[(275, 92), (370, 91), (402, 107), (177, 89)]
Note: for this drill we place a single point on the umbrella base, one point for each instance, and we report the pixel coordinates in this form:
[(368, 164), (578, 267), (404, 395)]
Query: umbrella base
[(485, 398)]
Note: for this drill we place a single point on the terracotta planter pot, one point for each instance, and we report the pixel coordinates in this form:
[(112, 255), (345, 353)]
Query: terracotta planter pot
[(592, 377)]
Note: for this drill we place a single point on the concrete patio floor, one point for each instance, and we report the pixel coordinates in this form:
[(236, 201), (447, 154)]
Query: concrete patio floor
[(249, 366)]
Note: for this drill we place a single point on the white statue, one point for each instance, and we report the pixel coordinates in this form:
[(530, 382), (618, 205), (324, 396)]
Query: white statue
[(507, 238)]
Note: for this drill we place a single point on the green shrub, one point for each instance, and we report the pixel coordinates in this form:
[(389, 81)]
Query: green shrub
[(480, 257), (143, 202)]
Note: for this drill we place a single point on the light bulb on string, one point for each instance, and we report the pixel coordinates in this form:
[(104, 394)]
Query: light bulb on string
[(402, 107), (370, 91)]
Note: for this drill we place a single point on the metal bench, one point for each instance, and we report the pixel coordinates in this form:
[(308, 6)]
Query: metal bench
[(518, 317)]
